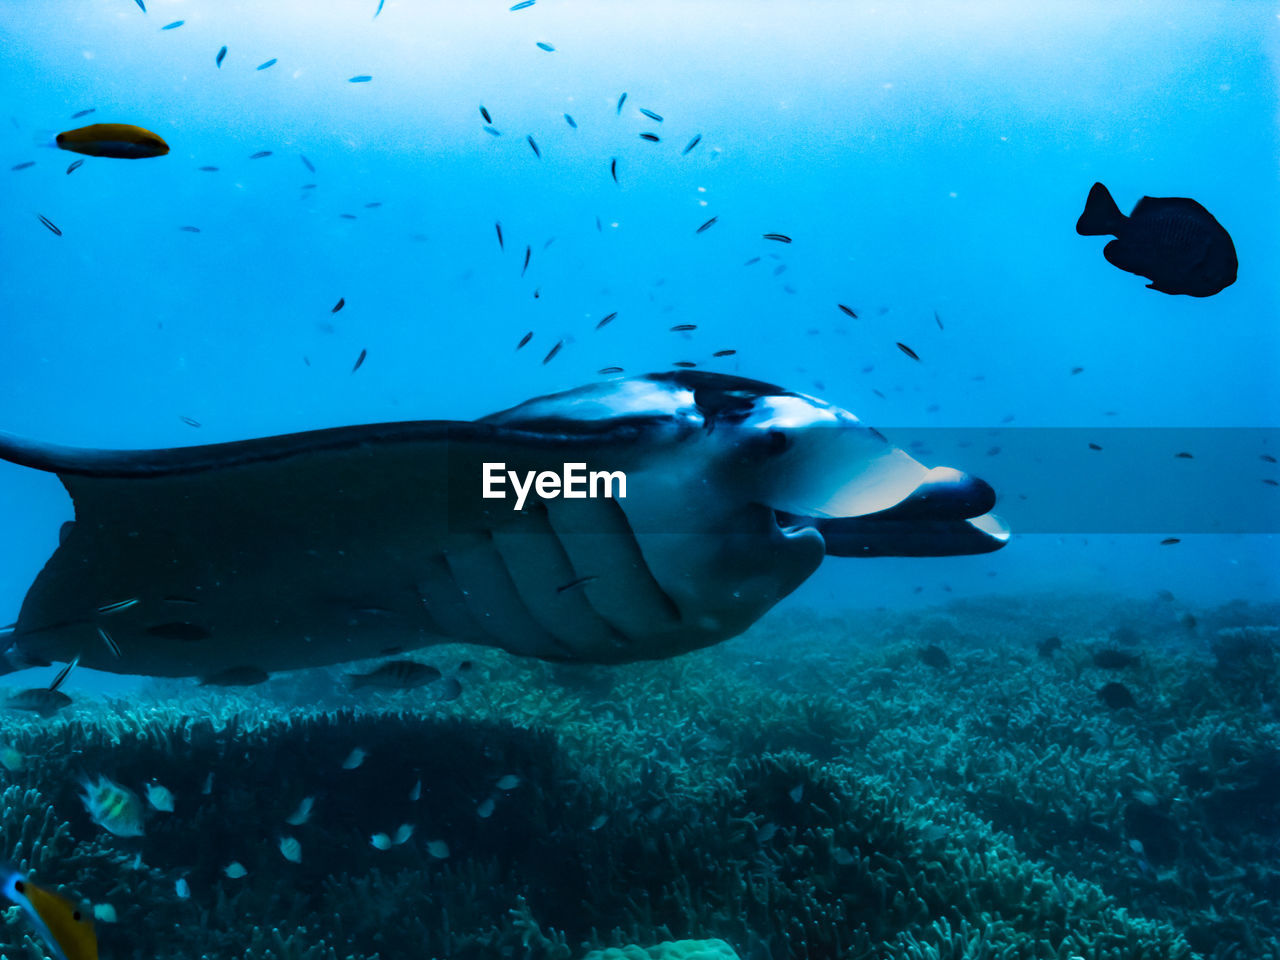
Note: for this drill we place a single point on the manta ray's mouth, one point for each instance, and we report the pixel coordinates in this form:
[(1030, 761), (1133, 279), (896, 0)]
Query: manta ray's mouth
[(946, 515)]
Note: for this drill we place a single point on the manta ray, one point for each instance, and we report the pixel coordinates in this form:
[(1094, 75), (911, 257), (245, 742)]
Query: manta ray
[(341, 544)]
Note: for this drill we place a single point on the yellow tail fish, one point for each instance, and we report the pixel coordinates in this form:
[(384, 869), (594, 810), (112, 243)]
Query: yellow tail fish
[(66, 931), (123, 141)]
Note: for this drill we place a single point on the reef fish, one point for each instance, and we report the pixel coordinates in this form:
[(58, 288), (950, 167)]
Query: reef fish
[(1172, 241), (116, 809), (122, 141), (64, 928), (769, 482), (396, 675)]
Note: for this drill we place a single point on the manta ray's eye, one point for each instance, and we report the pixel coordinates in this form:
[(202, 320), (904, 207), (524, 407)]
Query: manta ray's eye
[(732, 405)]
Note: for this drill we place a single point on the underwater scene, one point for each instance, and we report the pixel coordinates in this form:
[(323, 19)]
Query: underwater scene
[(585, 480)]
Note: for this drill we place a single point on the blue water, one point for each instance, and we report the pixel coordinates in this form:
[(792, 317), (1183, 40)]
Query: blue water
[(923, 157)]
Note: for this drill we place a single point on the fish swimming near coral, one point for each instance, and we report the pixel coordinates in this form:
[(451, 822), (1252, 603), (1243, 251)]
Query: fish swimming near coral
[(45, 701), (736, 490), (115, 808), (64, 928), (396, 675), (1116, 696), (1172, 241), (1110, 658), (121, 141)]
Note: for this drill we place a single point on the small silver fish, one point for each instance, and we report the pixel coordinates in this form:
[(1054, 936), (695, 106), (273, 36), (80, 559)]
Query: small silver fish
[(438, 849), (159, 797), (235, 870), (291, 849), (302, 814), (354, 759)]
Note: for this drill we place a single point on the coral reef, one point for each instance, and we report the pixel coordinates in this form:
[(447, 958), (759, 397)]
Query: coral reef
[(795, 794)]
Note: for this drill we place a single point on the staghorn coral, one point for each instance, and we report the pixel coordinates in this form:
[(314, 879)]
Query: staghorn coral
[(800, 798)]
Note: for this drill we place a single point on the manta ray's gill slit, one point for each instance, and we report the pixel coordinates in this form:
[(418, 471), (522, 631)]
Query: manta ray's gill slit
[(598, 539), (540, 564), (483, 579)]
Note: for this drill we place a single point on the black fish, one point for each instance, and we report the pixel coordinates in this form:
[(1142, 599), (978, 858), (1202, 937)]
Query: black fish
[(236, 677), (613, 171), (1169, 541), (1048, 646), (1183, 456), (342, 302), (360, 360), (780, 237), (533, 145), (934, 656), (24, 165), (847, 311), (1075, 370), (684, 326), (222, 55), (485, 113), (1172, 241), (570, 121), (528, 252), (179, 630), (492, 131), (347, 216), (306, 163), (580, 582), (523, 4), (1267, 457), (141, 5), (708, 225), (1109, 658), (747, 263), (260, 154), (82, 113), (189, 229), (607, 370), (685, 364), (691, 144), (546, 46), (938, 320), (1116, 696), (606, 320), (908, 351), (204, 169), (621, 100), (651, 137), (53, 227), (525, 339), (724, 353), (651, 115), (498, 226), (396, 675), (190, 421), (551, 355), (1094, 446), (373, 205)]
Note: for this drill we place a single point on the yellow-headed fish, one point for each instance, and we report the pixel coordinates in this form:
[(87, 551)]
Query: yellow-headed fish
[(123, 141), (65, 929)]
